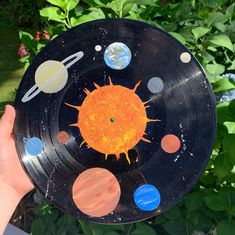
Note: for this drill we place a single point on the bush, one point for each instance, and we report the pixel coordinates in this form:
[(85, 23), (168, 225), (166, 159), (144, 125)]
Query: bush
[(207, 28)]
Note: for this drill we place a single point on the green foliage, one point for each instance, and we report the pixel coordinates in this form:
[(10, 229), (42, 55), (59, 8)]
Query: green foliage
[(51, 221), (207, 28), (22, 13)]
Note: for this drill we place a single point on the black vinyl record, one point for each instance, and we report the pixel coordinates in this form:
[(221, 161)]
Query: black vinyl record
[(119, 95)]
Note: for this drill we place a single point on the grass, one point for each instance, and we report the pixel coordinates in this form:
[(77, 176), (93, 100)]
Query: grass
[(11, 70)]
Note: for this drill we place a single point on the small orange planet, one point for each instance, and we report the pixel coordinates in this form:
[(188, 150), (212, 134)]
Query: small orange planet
[(62, 137), (112, 119), (170, 143), (96, 192)]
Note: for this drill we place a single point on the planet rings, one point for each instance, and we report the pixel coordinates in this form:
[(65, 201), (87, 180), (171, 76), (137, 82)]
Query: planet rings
[(35, 90)]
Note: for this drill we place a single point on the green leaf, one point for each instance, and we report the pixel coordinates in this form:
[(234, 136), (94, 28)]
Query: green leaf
[(95, 3), (221, 26), (230, 11), (53, 13), (193, 201), (232, 107), (96, 13), (40, 46), (231, 211), (228, 194), (200, 221), (117, 6), (224, 84), (173, 213), (143, 2), (160, 219), (223, 41), (178, 37), (207, 57), (216, 17), (215, 69), (71, 4), (38, 227), (112, 233), (230, 127), (55, 2), (226, 227), (211, 3), (176, 227), (127, 8), (143, 228), (84, 19), (104, 228), (229, 147), (208, 179), (232, 66), (215, 215), (222, 167), (85, 228), (28, 40), (215, 202), (224, 112), (66, 220), (200, 31)]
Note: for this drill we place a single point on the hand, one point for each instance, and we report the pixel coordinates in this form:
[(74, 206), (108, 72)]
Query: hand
[(12, 174)]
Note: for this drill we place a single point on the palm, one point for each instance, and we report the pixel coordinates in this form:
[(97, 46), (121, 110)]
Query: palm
[(11, 171)]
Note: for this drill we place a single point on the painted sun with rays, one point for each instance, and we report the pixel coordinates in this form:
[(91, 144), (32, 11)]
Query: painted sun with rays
[(112, 119)]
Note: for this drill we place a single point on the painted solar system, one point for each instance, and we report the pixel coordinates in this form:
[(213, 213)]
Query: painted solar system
[(115, 121)]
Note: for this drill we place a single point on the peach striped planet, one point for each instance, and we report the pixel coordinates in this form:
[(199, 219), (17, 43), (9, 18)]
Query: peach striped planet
[(96, 192)]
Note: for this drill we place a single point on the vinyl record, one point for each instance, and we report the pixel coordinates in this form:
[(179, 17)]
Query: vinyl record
[(115, 121)]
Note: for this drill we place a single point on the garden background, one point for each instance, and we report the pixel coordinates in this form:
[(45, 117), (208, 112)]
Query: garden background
[(207, 28)]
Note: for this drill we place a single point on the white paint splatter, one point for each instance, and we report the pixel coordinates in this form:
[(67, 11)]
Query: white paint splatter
[(177, 157), (183, 141), (48, 182)]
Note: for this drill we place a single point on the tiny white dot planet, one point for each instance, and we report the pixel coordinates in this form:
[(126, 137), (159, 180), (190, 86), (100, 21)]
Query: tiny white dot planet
[(98, 47), (185, 57)]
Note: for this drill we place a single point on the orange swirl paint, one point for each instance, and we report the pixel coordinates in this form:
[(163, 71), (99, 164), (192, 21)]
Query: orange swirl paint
[(96, 192)]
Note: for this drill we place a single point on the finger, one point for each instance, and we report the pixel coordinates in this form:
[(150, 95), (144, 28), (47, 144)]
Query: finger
[(7, 121)]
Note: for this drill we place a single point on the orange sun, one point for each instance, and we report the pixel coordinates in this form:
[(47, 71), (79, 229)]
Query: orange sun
[(112, 119)]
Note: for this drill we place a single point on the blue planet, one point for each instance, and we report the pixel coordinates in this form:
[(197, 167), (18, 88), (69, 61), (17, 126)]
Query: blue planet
[(147, 197), (34, 146), (117, 56)]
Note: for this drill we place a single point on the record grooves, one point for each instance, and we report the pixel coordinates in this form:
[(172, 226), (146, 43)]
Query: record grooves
[(115, 121)]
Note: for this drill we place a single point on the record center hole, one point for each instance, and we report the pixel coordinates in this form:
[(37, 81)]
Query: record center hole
[(112, 119)]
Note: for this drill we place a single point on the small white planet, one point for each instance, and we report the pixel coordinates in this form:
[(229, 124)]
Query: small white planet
[(51, 76), (185, 57)]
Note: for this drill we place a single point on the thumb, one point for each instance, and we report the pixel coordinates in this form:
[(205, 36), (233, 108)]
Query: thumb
[(7, 121)]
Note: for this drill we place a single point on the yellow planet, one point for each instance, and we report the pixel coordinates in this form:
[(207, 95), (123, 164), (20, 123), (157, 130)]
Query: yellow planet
[(51, 69)]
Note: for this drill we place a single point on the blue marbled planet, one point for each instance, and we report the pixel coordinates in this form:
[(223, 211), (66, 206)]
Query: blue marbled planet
[(117, 56)]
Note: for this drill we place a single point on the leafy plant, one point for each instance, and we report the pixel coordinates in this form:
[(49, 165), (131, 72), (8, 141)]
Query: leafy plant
[(207, 28)]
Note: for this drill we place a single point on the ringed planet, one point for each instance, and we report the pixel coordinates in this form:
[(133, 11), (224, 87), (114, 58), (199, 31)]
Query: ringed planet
[(51, 76)]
